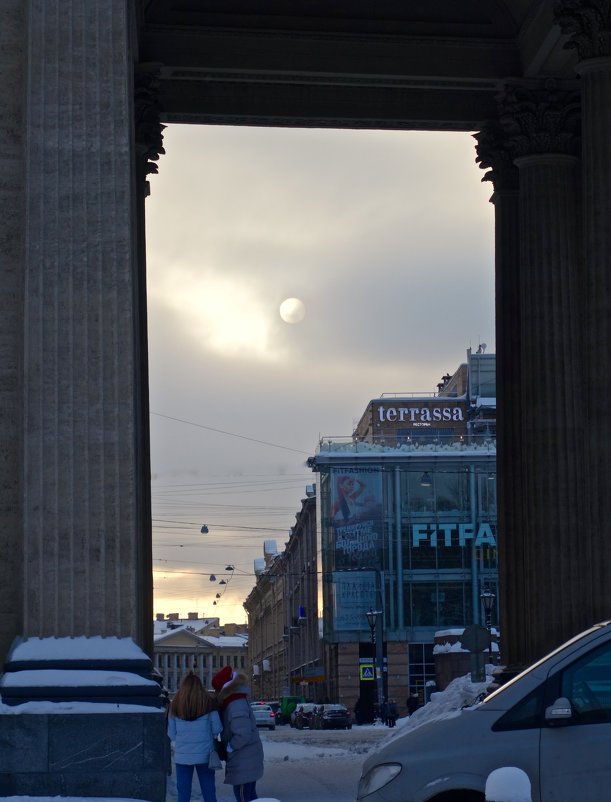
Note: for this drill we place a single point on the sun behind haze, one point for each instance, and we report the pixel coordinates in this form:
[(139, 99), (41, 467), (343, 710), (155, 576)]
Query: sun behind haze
[(387, 235)]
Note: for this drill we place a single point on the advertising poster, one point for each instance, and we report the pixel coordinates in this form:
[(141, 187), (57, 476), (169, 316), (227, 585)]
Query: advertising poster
[(356, 518), (353, 594)]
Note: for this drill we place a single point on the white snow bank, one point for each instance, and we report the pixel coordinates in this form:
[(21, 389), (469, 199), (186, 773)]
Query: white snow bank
[(461, 693)]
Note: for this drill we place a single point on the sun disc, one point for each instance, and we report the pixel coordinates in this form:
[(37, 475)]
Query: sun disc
[(292, 310)]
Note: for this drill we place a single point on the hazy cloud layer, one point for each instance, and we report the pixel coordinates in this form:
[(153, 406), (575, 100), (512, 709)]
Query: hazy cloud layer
[(387, 238)]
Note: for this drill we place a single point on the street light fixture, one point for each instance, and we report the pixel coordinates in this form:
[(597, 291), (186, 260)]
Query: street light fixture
[(372, 620), (488, 598)]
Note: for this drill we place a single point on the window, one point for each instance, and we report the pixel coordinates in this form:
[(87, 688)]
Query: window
[(221, 661), (587, 685), (525, 715)]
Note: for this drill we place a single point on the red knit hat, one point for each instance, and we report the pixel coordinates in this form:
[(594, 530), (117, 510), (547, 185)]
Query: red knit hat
[(221, 679)]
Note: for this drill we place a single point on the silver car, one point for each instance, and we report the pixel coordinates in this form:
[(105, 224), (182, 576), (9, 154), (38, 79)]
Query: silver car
[(264, 715), (553, 721)]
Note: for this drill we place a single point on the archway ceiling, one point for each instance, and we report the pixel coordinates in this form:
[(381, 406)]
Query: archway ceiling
[(350, 63)]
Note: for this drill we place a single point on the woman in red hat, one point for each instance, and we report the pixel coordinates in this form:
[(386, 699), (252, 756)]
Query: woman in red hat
[(244, 764)]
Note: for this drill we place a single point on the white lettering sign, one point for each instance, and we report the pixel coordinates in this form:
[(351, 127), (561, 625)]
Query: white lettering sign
[(452, 535), (419, 415)]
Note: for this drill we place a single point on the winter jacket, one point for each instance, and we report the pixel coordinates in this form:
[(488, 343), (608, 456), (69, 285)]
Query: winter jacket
[(192, 739), (245, 750)]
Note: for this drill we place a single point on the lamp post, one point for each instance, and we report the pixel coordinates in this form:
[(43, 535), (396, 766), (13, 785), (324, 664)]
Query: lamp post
[(372, 619), (487, 598)]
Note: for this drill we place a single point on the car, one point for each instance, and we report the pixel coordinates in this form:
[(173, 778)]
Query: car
[(303, 716), (332, 716), (552, 722), (275, 706), (264, 715)]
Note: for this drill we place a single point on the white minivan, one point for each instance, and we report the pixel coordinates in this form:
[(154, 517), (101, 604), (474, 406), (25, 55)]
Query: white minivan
[(553, 721)]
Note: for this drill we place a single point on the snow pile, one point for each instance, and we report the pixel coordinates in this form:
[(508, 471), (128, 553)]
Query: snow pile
[(461, 693)]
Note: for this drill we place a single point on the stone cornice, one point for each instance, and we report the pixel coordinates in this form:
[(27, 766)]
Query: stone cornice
[(588, 23)]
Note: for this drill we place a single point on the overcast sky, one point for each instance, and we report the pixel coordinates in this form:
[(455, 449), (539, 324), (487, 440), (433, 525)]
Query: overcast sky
[(386, 238)]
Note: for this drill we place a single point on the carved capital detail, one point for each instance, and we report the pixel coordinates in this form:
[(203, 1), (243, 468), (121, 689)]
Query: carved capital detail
[(148, 127), (493, 155), (588, 23), (540, 119)]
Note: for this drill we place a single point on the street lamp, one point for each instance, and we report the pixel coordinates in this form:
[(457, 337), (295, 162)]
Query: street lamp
[(487, 598), (372, 620)]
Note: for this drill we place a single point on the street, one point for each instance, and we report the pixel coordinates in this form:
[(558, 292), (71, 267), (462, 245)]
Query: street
[(305, 765)]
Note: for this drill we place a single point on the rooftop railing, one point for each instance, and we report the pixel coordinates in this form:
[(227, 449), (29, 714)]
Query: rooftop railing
[(425, 443)]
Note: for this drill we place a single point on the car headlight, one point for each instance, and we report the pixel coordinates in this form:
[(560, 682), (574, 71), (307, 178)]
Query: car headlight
[(378, 777)]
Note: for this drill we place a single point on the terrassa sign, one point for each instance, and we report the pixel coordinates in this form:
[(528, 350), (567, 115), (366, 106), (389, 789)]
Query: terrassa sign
[(420, 415), (447, 534)]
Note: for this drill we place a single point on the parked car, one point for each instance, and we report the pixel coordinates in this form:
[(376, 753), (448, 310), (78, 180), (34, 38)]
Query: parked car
[(303, 716), (275, 706), (552, 721), (264, 715), (329, 717), (287, 705)]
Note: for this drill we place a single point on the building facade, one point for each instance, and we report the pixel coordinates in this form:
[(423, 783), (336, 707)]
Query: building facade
[(408, 529), (282, 609), (199, 645)]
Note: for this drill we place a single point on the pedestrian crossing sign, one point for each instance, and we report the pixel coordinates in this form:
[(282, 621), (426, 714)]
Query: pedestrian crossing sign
[(367, 672)]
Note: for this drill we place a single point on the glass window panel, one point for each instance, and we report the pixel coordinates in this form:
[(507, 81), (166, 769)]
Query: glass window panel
[(424, 604), (452, 492)]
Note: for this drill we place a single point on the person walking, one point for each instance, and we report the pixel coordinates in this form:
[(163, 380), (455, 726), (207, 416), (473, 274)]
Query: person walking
[(193, 724), (391, 713), (244, 764)]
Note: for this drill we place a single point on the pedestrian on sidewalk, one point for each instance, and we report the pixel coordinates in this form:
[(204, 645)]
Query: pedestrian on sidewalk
[(193, 724), (244, 765)]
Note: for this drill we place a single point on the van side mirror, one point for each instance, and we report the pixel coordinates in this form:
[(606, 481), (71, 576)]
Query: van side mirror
[(559, 712)]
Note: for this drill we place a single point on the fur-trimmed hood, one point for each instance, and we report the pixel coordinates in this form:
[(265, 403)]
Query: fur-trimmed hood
[(238, 684)]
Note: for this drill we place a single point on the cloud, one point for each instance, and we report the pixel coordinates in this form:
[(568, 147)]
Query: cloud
[(387, 238)]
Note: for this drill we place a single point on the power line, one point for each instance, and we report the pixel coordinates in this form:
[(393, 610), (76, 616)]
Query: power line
[(230, 434)]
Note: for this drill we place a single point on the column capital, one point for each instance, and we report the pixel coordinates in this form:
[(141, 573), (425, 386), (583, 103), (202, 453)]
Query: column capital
[(588, 23), (148, 126), (494, 155), (540, 117)]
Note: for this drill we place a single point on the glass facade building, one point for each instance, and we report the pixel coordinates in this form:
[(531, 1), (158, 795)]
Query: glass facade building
[(407, 515)]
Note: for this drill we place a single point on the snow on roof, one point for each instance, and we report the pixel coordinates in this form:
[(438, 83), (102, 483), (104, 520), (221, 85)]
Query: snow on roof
[(78, 648), (226, 641)]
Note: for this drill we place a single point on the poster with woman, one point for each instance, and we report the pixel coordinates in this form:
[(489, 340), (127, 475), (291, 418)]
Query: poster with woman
[(356, 516)]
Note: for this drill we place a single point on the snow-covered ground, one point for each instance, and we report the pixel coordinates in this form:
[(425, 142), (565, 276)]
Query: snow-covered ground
[(294, 746)]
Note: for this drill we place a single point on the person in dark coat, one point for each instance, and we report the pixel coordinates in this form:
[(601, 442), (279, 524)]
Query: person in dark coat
[(391, 713), (413, 703), (244, 765)]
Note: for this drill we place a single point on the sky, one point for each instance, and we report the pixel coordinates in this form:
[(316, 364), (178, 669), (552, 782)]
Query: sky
[(386, 238)]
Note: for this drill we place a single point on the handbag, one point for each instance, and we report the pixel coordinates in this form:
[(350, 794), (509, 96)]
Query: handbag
[(214, 761), (221, 749)]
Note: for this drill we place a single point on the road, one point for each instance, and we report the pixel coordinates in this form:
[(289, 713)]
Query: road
[(306, 766)]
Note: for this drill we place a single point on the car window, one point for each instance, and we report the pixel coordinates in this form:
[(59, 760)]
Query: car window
[(587, 685), (526, 714)]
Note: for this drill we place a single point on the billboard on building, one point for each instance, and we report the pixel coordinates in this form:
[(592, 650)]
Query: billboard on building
[(356, 517), (353, 594)]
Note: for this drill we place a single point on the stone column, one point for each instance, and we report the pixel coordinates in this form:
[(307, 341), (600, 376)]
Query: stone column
[(541, 125), (86, 538), (493, 154), (589, 25), (12, 70)]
